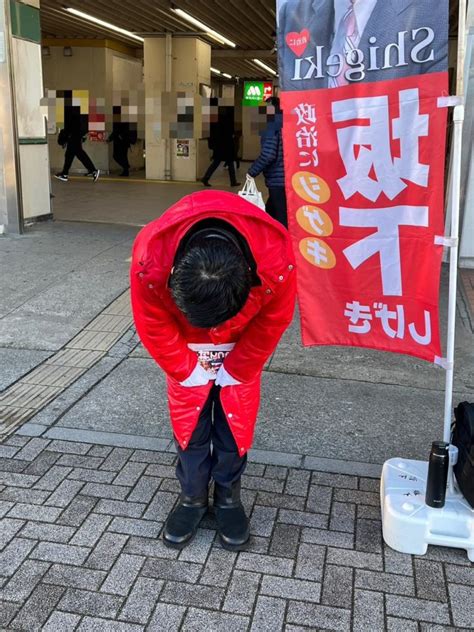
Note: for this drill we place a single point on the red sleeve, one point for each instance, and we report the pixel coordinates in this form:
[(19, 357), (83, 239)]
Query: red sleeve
[(159, 332), (261, 336)]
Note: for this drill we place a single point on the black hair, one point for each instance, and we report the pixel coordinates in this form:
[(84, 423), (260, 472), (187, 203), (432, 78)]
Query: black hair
[(275, 101), (211, 281)]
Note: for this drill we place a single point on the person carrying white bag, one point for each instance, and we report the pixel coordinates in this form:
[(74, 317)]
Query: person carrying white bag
[(271, 163)]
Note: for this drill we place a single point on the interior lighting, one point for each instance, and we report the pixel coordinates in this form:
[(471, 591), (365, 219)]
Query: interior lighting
[(203, 27), (106, 25), (264, 66), (218, 72), (224, 74)]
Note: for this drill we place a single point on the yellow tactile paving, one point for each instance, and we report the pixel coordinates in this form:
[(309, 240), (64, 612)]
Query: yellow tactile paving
[(110, 323), (24, 395), (25, 398), (83, 359), (95, 340), (52, 375), (12, 416)]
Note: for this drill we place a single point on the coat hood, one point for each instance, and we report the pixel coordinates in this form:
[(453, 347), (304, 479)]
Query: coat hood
[(156, 244)]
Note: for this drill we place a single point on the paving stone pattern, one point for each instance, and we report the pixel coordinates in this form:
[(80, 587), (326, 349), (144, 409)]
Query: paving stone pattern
[(80, 549)]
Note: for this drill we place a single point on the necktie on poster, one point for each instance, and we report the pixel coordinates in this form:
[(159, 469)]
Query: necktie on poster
[(364, 144), (345, 41)]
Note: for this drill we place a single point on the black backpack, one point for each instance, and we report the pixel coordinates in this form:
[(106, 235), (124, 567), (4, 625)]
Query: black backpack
[(463, 439), (63, 137)]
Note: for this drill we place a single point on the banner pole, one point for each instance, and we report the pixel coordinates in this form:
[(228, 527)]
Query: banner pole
[(458, 118)]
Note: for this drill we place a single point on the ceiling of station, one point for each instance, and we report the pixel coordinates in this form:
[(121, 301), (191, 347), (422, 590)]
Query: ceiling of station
[(248, 23)]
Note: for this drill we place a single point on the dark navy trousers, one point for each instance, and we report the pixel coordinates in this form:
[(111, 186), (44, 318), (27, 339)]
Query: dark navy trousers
[(211, 453), (276, 205)]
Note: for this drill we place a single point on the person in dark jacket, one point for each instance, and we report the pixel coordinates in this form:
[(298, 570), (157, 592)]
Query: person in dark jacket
[(222, 143), (271, 163), (71, 137), (123, 137)]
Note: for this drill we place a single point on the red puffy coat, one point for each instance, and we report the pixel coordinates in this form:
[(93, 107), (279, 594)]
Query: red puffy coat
[(256, 329)]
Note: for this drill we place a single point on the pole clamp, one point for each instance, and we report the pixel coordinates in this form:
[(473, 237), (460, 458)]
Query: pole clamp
[(449, 102), (444, 363), (449, 242)]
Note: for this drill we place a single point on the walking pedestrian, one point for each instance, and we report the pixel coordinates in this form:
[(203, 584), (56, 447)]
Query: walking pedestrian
[(270, 161), (213, 289), (71, 137), (123, 137), (222, 143)]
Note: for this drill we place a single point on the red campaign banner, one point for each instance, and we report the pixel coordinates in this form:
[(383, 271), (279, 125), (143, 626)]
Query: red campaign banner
[(365, 186)]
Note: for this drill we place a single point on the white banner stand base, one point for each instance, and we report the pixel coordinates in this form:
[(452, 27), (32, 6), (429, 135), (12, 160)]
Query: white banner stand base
[(409, 525)]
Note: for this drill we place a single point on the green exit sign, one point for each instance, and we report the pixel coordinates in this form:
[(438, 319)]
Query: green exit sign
[(255, 92)]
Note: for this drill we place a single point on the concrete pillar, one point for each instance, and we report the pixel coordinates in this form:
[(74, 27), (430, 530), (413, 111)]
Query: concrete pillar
[(24, 166), (116, 68), (10, 196), (182, 65), (154, 73), (124, 82)]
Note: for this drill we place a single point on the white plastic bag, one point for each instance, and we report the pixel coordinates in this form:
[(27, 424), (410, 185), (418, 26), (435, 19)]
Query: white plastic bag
[(251, 193)]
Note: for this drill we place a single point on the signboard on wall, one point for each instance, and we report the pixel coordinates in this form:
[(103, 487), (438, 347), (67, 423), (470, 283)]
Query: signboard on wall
[(97, 137), (182, 148), (256, 92)]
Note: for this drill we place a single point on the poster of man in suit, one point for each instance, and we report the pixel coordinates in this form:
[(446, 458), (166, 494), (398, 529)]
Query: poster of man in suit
[(330, 43)]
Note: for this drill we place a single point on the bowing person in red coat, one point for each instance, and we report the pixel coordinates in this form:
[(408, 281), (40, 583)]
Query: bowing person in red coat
[(213, 289)]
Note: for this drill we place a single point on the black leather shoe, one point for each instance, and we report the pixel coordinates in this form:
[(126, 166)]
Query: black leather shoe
[(182, 523), (232, 523)]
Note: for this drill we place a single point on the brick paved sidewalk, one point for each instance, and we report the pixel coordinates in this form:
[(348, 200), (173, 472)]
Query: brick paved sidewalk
[(80, 550)]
